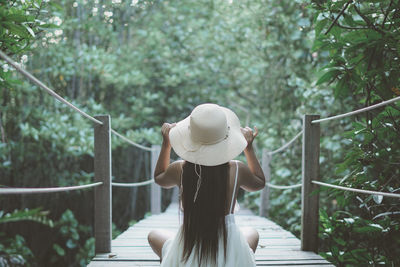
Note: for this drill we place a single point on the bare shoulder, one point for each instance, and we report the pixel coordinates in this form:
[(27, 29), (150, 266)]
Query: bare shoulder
[(175, 169), (171, 176), (243, 169), (177, 164), (241, 165), (246, 178)]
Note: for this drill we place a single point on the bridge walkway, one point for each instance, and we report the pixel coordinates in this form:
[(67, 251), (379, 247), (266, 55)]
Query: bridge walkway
[(277, 247)]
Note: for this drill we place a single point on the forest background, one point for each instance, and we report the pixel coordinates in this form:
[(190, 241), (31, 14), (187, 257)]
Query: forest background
[(147, 62)]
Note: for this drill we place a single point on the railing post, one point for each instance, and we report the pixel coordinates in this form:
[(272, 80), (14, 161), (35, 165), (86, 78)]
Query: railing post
[(310, 171), (264, 196), (102, 195), (155, 188)]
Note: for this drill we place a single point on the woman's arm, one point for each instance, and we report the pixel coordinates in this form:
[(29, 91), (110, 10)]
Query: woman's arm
[(165, 174), (253, 175)]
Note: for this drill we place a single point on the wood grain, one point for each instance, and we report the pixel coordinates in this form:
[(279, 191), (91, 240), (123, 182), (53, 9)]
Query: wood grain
[(102, 195), (310, 171), (276, 247)]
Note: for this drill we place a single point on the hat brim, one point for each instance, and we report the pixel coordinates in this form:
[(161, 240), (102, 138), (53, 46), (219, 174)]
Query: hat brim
[(208, 155)]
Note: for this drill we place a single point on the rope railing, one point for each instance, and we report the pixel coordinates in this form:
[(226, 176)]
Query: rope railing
[(283, 186), (384, 103), (61, 99), (286, 145), (133, 184), (357, 190), (25, 190), (104, 192), (47, 89), (130, 141)]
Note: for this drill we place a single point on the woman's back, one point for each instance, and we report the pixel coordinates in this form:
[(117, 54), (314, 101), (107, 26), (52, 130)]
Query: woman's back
[(231, 248), (209, 180)]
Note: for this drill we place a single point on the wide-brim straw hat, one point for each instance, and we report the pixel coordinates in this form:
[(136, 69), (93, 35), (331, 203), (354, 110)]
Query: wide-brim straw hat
[(210, 136)]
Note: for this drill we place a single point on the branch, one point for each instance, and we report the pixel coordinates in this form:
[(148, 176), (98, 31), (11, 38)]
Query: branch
[(338, 16), (351, 28), (387, 14), (366, 19)]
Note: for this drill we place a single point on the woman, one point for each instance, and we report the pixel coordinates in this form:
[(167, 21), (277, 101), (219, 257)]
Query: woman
[(208, 180)]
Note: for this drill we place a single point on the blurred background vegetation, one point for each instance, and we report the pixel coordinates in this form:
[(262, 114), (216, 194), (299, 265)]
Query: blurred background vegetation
[(146, 62)]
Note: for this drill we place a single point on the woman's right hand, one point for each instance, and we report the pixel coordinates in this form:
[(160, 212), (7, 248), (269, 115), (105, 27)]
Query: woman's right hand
[(249, 135), (165, 128)]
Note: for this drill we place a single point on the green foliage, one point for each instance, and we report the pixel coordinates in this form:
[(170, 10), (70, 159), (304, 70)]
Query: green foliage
[(147, 62), (72, 243), (361, 56), (14, 252), (349, 239), (20, 23), (36, 215), (31, 136)]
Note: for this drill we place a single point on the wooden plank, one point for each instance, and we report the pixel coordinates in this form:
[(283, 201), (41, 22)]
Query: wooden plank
[(277, 247), (264, 195), (155, 195), (275, 254), (102, 195), (310, 171), (266, 242), (124, 264), (155, 264)]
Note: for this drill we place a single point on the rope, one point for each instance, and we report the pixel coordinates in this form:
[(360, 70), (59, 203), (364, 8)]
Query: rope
[(357, 190), (133, 184), (131, 142), (283, 186), (287, 144), (54, 94), (43, 86), (384, 103), (8, 191)]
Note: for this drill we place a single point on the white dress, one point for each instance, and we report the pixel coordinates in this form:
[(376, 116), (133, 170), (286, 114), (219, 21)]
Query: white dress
[(238, 251)]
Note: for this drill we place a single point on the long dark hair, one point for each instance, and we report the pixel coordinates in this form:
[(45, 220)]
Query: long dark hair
[(204, 219)]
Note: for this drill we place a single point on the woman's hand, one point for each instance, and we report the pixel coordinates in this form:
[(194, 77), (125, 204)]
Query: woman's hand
[(165, 128), (161, 175), (249, 135)]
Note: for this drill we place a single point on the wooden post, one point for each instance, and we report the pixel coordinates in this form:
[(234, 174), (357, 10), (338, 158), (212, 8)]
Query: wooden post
[(102, 195), (264, 196), (310, 171), (155, 188)]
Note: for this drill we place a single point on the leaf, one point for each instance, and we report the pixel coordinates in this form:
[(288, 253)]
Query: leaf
[(16, 17), (29, 30), (377, 198), (16, 29), (349, 220), (60, 251), (340, 241), (319, 26), (328, 76), (70, 244), (371, 228), (341, 88)]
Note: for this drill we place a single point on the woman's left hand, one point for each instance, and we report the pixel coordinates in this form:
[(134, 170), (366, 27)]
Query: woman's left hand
[(165, 128), (249, 135)]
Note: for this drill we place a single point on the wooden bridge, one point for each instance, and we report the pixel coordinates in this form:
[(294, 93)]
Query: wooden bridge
[(276, 247)]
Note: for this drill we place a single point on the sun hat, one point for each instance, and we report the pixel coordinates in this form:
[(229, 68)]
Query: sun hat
[(210, 136)]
